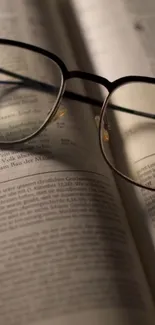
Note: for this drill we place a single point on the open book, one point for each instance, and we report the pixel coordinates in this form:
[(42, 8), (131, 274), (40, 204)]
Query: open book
[(77, 246)]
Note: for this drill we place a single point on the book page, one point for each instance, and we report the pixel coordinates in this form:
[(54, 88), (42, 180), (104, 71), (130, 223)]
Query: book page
[(122, 53), (66, 251), (114, 48), (143, 20)]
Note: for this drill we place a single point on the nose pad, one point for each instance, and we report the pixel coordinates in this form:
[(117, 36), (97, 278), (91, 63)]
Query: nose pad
[(105, 130), (60, 113)]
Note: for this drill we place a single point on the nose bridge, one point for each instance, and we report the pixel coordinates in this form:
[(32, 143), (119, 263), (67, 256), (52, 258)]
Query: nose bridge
[(96, 89), (85, 76)]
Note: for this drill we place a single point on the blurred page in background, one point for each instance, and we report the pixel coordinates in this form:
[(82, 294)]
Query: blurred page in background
[(142, 15)]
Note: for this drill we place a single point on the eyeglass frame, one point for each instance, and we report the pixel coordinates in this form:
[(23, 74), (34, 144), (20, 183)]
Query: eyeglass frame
[(67, 75)]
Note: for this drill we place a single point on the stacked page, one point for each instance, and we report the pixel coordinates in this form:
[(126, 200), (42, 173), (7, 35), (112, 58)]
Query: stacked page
[(127, 49)]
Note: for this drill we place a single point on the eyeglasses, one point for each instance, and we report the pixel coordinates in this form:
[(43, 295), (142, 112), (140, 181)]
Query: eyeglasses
[(127, 117)]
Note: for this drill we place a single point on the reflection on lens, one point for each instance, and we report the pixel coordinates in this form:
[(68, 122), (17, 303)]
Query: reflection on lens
[(131, 145), (24, 103)]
